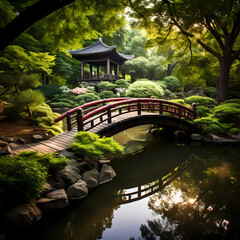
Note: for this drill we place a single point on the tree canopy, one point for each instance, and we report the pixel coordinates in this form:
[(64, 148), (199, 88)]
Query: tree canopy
[(214, 25)]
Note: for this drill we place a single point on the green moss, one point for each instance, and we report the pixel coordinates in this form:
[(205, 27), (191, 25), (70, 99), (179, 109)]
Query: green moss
[(180, 101), (213, 128), (210, 92)]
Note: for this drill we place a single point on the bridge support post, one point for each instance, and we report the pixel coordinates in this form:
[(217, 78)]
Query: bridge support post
[(69, 125), (80, 119), (139, 107), (109, 114)]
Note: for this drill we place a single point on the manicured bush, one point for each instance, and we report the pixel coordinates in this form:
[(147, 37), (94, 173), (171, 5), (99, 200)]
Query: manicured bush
[(49, 90), (172, 83), (106, 86), (180, 101), (90, 145), (210, 92), (107, 94), (203, 111), (199, 100), (144, 89), (228, 112), (88, 97)]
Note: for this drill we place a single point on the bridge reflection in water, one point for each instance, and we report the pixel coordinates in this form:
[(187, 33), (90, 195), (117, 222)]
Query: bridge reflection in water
[(140, 192)]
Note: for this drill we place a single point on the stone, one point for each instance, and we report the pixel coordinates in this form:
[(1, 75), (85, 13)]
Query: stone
[(21, 141), (69, 174), (37, 138), (104, 161), (78, 190), (13, 145), (6, 150), (91, 178), (73, 163), (47, 187), (85, 166), (3, 143), (196, 137), (66, 153), (54, 200), (7, 139), (106, 174), (23, 216)]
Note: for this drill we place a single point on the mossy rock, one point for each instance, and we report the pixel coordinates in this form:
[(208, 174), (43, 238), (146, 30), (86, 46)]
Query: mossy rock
[(202, 101)]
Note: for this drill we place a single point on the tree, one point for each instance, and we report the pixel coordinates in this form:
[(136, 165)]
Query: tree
[(214, 25), (87, 18)]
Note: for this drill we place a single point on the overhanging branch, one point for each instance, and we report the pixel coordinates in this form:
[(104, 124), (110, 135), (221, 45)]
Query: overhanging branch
[(209, 49)]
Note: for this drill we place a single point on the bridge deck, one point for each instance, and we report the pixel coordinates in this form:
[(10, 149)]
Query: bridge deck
[(62, 141)]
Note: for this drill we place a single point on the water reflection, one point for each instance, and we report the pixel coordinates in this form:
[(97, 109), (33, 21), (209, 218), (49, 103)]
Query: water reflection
[(193, 200), (202, 203)]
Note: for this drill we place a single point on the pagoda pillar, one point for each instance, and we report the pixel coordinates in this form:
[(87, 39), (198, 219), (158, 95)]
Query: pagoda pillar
[(117, 70), (108, 65), (97, 71), (82, 69), (90, 71)]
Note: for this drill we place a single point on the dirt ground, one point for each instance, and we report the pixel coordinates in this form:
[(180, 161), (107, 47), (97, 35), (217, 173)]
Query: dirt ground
[(23, 129)]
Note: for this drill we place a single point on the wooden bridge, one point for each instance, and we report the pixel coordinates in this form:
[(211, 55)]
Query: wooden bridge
[(109, 116), (143, 191)]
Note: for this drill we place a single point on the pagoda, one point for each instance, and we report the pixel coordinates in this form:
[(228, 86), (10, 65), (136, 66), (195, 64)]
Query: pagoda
[(99, 54)]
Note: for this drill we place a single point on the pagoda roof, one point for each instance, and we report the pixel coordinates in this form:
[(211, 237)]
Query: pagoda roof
[(100, 49)]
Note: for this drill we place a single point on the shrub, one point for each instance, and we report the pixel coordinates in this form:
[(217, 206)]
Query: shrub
[(199, 100), (172, 83), (49, 90), (228, 112), (234, 131), (144, 89), (106, 86), (210, 92), (122, 83), (203, 111), (22, 176), (107, 94), (90, 145), (180, 101), (88, 97)]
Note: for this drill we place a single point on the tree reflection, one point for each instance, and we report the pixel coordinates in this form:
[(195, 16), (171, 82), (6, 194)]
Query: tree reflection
[(203, 203)]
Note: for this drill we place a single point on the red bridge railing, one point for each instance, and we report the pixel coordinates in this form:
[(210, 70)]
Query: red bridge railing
[(90, 115)]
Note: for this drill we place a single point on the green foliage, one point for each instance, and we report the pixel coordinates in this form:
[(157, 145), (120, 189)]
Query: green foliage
[(172, 83), (180, 101), (88, 97), (234, 131), (92, 146), (22, 176), (210, 92), (144, 89), (228, 112), (199, 100), (20, 102), (122, 83), (203, 111), (213, 128), (106, 86), (49, 90), (107, 94)]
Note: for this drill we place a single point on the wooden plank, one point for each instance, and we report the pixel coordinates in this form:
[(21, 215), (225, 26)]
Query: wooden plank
[(54, 146)]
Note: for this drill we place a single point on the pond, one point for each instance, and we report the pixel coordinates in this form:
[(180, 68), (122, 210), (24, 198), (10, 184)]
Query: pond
[(161, 190)]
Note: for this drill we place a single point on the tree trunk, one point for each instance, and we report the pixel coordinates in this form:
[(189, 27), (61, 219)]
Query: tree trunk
[(223, 81)]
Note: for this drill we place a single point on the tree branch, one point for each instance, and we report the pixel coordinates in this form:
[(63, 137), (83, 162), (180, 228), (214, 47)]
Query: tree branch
[(214, 33), (28, 17), (209, 49), (235, 55), (131, 4)]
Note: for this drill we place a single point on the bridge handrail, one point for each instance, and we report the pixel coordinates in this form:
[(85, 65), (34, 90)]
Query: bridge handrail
[(132, 100), (88, 110), (90, 104)]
